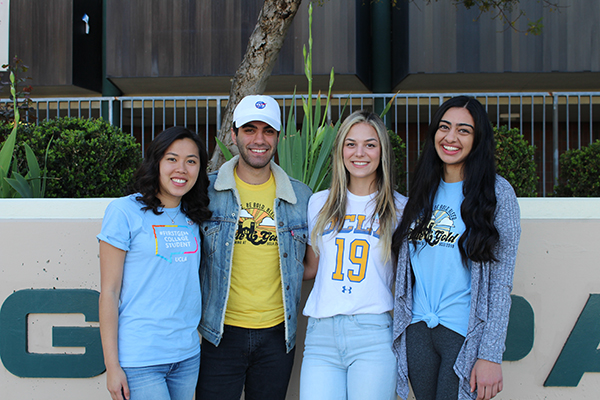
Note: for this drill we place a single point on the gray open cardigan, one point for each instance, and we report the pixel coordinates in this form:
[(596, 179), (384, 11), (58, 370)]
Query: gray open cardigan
[(491, 284)]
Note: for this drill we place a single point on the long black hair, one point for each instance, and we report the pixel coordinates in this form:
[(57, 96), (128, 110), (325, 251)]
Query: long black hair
[(479, 178), (194, 203)]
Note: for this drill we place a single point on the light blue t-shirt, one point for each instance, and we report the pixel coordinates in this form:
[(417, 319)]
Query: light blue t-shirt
[(160, 304), (442, 289)]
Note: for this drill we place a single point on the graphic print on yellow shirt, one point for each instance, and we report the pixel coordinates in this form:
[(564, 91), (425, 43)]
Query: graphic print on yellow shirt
[(255, 297)]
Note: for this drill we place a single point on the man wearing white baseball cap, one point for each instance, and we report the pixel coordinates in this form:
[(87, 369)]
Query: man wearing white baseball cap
[(251, 269)]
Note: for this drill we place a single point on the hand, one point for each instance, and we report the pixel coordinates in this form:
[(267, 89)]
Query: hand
[(116, 382), (486, 377)]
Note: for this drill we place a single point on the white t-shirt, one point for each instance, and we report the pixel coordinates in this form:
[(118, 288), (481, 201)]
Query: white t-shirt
[(160, 304), (352, 278)]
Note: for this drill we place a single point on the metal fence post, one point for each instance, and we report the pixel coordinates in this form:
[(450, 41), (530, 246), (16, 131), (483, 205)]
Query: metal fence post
[(555, 138)]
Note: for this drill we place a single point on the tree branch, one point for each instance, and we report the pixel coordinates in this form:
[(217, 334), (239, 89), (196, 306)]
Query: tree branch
[(251, 76)]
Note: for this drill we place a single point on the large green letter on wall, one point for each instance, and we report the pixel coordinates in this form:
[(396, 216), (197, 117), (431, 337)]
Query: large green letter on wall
[(13, 334), (580, 353), (520, 335)]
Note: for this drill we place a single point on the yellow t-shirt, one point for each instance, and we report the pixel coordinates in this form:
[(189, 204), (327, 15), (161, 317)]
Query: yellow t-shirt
[(255, 297)]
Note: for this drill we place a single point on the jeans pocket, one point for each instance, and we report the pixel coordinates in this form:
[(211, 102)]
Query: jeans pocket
[(373, 321)]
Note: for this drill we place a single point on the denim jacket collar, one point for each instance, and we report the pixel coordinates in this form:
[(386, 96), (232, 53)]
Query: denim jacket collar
[(283, 186)]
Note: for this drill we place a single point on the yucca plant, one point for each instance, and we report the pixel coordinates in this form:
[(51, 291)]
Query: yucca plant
[(305, 153), (33, 184)]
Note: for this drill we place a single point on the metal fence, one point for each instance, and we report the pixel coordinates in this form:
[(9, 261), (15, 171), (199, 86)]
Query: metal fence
[(553, 122)]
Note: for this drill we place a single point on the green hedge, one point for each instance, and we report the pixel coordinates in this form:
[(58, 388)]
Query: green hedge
[(87, 158), (579, 172), (515, 162), (399, 149)]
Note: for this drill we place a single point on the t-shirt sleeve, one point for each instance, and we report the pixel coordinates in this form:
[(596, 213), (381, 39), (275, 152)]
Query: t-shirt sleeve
[(115, 227)]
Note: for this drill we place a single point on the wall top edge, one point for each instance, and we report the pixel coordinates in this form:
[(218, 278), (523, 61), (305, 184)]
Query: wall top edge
[(531, 208), (53, 208), (560, 208)]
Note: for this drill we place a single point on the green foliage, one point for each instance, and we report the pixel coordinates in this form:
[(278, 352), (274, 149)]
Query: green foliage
[(22, 99), (399, 148), (305, 154), (226, 153), (580, 172), (25, 135), (515, 162), (508, 11), (87, 158), (6, 156), (33, 183)]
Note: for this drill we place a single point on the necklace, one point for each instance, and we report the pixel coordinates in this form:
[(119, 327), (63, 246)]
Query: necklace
[(169, 215)]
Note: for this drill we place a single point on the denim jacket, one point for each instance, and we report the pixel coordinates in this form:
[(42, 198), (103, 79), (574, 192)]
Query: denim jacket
[(291, 201)]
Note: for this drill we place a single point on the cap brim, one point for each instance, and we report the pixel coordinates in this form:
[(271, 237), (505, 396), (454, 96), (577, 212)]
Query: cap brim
[(258, 117)]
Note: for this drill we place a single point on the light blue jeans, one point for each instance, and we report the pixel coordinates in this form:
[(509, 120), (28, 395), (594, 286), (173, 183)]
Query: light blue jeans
[(175, 381), (349, 357)]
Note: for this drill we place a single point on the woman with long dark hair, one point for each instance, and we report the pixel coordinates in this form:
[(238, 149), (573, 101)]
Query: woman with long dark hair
[(348, 347), (150, 302), (455, 249)]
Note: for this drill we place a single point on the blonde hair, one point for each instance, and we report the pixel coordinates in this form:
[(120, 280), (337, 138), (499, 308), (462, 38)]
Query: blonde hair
[(334, 209)]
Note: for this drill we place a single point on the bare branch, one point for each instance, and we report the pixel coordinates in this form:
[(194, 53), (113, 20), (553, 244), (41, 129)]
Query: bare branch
[(503, 10)]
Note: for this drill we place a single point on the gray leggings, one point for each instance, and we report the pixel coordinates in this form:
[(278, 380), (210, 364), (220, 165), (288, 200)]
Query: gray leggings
[(431, 354)]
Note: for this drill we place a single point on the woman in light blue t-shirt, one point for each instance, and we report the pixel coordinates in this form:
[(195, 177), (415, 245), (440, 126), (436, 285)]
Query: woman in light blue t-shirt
[(150, 302), (455, 248)]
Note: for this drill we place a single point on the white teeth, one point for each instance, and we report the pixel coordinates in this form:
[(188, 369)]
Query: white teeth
[(450, 148), (258, 151), (179, 180), (360, 163)]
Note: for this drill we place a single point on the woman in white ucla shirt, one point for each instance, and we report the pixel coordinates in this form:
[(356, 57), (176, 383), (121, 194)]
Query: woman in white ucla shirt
[(456, 248), (150, 302), (348, 347)]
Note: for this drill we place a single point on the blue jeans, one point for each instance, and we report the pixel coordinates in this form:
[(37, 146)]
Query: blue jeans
[(349, 357), (175, 381), (252, 360)]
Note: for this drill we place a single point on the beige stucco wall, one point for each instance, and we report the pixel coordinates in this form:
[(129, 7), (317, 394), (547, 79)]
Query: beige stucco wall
[(51, 244)]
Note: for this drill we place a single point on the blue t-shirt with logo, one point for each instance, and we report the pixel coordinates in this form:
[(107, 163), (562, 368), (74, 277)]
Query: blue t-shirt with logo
[(442, 289), (160, 304)]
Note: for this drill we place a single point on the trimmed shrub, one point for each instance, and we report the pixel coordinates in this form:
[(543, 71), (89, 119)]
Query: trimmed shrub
[(514, 161), (399, 148), (579, 172), (87, 158)]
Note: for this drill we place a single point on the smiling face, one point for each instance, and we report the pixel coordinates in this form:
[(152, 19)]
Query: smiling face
[(362, 155), (178, 169), (454, 141), (257, 143)]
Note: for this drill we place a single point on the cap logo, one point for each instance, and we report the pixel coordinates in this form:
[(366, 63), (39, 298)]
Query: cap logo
[(260, 105)]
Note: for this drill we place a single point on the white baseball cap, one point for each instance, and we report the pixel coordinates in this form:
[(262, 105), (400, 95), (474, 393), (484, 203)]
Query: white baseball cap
[(257, 108)]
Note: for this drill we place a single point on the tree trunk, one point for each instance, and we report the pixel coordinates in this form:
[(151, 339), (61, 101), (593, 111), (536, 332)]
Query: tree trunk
[(251, 77)]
